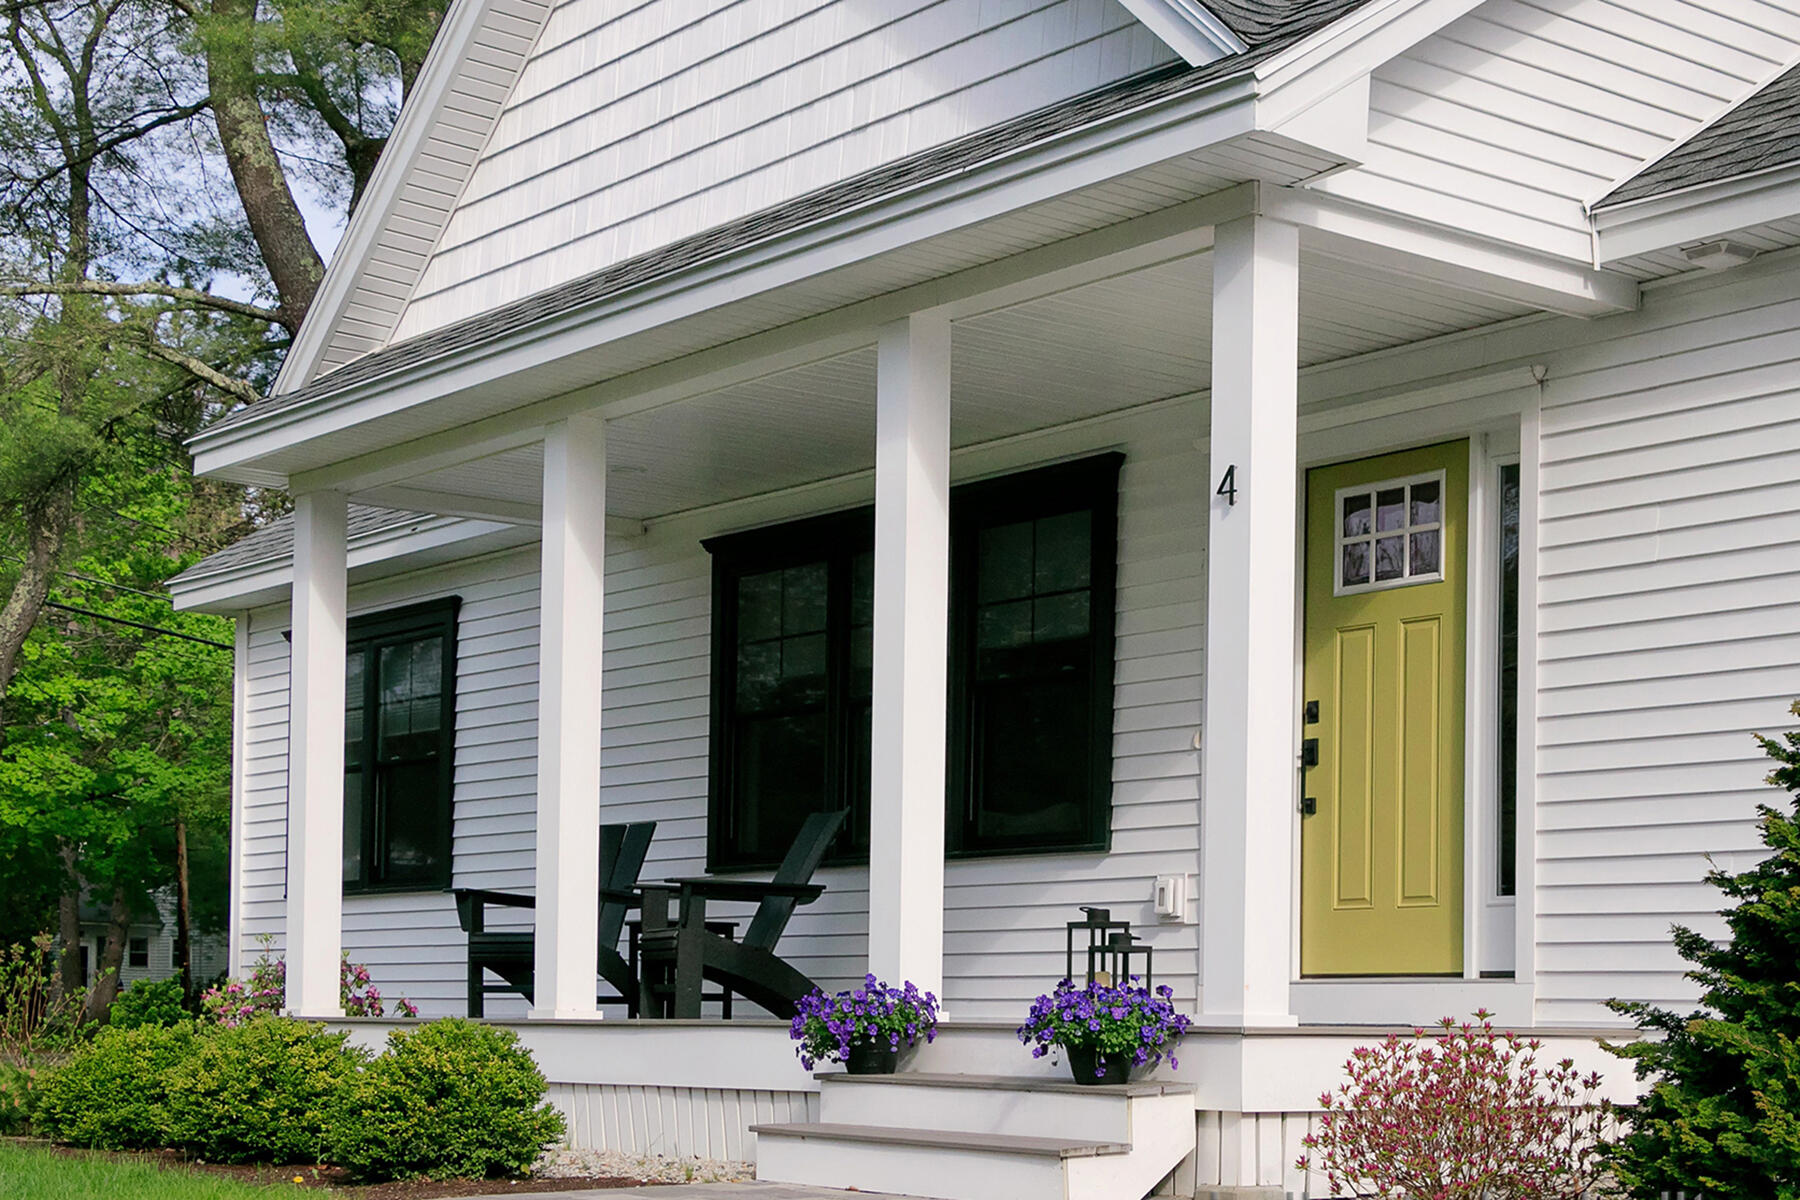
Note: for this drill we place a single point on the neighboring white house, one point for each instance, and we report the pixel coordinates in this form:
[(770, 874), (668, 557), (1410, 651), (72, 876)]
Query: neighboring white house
[(1337, 460), (150, 946)]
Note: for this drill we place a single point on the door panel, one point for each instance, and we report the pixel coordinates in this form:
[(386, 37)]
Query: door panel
[(1386, 577)]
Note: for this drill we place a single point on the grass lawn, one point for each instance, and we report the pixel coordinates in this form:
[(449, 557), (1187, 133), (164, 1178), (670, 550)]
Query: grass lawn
[(32, 1173)]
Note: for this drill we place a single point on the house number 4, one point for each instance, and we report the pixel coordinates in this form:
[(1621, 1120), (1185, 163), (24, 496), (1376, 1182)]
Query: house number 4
[(1228, 485)]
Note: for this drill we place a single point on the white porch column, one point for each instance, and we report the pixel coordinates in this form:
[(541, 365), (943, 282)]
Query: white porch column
[(315, 834), (912, 602), (1248, 756), (568, 806)]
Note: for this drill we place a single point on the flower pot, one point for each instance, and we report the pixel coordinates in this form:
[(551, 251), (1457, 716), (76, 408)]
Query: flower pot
[(873, 1058), (1115, 1069)]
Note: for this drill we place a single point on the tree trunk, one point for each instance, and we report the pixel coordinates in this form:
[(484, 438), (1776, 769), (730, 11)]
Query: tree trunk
[(47, 518), (104, 988), (68, 923), (184, 946), (275, 219)]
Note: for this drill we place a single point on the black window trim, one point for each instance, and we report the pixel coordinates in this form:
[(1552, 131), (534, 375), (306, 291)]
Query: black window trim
[(1090, 482), (407, 622)]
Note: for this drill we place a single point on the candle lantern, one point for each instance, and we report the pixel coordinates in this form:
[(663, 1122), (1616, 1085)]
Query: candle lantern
[(1109, 947)]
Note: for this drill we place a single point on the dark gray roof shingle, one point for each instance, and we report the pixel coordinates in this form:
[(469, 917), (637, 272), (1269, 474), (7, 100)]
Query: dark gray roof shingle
[(1760, 133), (1268, 27), (274, 542)]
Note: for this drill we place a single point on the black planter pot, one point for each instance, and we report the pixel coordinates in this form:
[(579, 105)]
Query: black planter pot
[(873, 1058), (1115, 1069)]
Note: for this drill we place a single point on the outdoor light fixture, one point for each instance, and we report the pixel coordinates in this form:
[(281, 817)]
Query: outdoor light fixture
[(1719, 255), (1110, 947)]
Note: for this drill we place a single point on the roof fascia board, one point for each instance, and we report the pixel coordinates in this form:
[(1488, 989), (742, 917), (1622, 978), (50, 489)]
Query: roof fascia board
[(418, 117), (1191, 30), (1212, 113), (1325, 61), (1696, 214), (372, 555), (1408, 246)]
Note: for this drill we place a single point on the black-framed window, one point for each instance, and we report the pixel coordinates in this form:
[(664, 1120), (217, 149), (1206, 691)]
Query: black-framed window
[(1033, 571), (399, 738), (1030, 704)]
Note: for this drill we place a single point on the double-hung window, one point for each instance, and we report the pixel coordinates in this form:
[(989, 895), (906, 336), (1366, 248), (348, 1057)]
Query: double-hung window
[(399, 735), (1030, 703)]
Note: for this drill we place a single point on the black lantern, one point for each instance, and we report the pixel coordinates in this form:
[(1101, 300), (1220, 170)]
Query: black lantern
[(1110, 947)]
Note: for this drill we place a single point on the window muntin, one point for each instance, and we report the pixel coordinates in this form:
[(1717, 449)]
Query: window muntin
[(1031, 671), (1506, 842), (1390, 534), (399, 716)]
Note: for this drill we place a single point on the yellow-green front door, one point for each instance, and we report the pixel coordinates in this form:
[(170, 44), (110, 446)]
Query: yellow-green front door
[(1382, 842)]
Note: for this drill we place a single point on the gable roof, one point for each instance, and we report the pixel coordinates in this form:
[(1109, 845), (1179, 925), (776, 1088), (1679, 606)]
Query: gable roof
[(1759, 134), (1290, 22)]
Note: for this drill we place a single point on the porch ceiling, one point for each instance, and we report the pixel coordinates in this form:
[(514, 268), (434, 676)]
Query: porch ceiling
[(1108, 345)]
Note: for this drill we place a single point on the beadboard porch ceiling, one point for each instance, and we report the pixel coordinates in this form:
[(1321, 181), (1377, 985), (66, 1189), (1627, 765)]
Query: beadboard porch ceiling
[(1108, 345)]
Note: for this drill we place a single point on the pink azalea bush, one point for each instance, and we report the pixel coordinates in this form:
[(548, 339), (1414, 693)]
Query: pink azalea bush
[(1464, 1113), (236, 1001)]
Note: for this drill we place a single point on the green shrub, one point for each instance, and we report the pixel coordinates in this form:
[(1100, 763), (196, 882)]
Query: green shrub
[(148, 1002), (259, 1092), (449, 1100), (113, 1093), (21, 1083)]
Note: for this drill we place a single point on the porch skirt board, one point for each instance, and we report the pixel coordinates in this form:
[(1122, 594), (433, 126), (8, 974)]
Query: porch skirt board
[(677, 1122)]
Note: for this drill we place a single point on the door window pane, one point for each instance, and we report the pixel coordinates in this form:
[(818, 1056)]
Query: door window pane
[(1390, 534)]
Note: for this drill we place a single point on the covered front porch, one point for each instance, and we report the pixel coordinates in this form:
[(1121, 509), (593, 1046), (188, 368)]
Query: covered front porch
[(1218, 346)]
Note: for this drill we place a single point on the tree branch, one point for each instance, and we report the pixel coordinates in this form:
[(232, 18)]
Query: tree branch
[(100, 287), (202, 372)]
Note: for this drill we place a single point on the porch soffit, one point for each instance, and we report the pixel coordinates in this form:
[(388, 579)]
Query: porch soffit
[(1107, 346)]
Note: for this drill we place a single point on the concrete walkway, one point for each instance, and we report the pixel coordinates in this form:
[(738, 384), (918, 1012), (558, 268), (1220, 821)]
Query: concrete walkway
[(703, 1191)]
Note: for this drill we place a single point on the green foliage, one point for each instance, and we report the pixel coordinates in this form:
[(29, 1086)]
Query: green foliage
[(21, 1083), (35, 1017), (259, 1092), (1723, 1114), (114, 1092), (149, 1002), (451, 1099)]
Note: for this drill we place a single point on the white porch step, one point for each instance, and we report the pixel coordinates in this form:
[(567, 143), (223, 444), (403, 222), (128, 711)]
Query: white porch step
[(938, 1163), (994, 1104), (981, 1137)]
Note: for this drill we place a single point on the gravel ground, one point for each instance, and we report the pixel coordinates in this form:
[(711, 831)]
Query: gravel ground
[(564, 1163)]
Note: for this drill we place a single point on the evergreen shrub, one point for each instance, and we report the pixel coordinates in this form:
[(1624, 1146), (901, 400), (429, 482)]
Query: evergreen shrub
[(113, 1092), (148, 1002), (260, 1091), (1722, 1116), (452, 1099)]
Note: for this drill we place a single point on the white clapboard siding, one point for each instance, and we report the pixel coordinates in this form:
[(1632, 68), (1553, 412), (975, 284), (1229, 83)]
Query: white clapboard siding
[(1510, 119), (1004, 916), (636, 124), (1669, 558)]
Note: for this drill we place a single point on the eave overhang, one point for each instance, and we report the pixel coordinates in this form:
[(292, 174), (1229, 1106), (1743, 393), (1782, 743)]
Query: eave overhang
[(1695, 214)]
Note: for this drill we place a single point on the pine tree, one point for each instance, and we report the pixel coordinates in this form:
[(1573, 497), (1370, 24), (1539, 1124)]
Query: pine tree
[(1723, 1115)]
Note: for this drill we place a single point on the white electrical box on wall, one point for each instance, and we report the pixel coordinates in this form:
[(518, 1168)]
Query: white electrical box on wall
[(1171, 897)]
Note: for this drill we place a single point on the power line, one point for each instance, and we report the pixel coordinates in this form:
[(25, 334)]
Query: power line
[(174, 633)]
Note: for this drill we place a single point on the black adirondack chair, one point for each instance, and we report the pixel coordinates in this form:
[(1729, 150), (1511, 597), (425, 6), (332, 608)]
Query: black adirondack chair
[(677, 958), (509, 953)]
